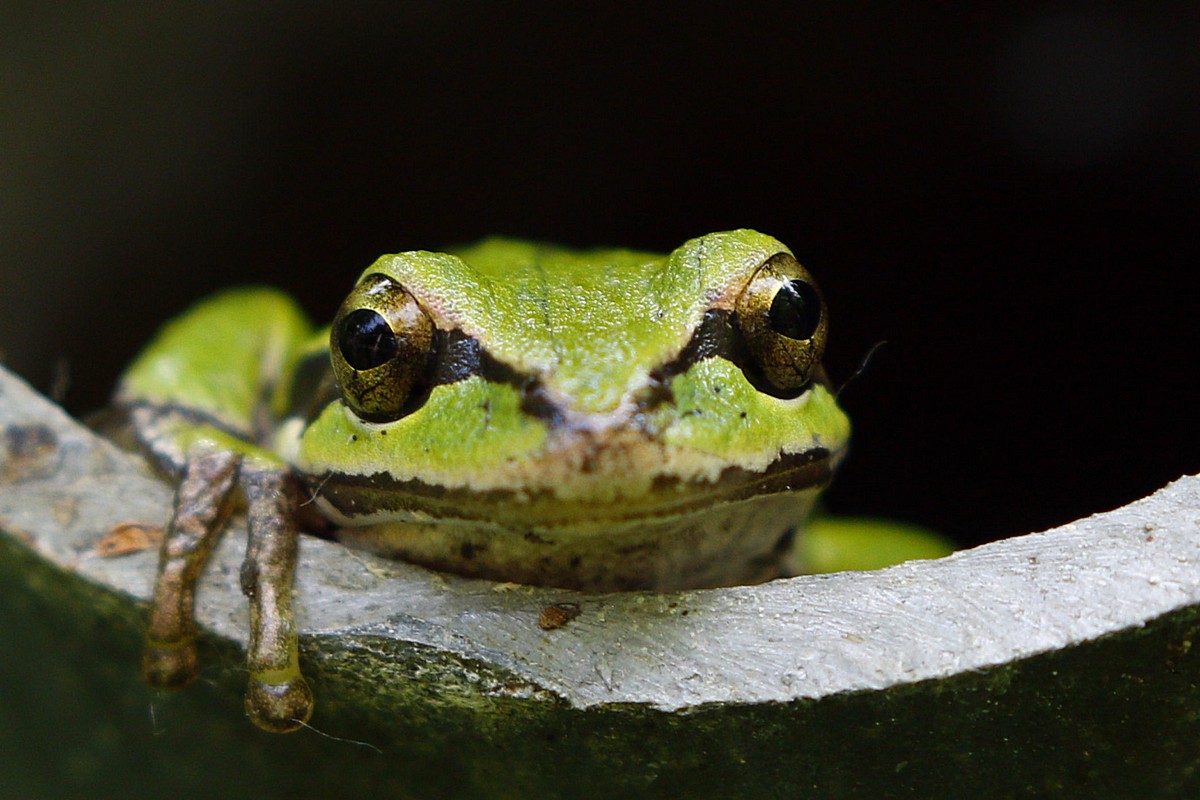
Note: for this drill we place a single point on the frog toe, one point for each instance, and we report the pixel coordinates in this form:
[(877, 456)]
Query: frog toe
[(279, 707), (169, 666)]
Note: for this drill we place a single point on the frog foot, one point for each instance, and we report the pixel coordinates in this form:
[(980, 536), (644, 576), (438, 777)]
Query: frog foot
[(279, 707), (169, 665)]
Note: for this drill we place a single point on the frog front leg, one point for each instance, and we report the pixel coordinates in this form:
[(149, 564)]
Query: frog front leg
[(277, 698), (203, 504)]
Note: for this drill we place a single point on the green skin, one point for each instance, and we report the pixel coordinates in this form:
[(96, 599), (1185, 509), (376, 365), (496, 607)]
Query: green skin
[(588, 443)]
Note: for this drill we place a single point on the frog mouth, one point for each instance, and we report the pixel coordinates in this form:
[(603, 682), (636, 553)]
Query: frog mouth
[(358, 500)]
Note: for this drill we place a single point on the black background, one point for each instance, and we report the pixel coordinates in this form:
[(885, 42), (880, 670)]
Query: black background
[(1007, 196)]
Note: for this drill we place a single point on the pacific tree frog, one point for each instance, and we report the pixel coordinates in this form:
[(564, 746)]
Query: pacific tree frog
[(601, 420)]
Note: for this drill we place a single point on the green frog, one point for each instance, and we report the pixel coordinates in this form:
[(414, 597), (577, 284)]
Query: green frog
[(514, 411)]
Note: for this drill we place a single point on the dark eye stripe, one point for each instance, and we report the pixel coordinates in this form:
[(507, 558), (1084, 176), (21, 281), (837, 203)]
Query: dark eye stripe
[(715, 336)]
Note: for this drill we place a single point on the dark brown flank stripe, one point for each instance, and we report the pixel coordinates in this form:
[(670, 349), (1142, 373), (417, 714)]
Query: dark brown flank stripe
[(116, 423), (191, 415), (347, 493)]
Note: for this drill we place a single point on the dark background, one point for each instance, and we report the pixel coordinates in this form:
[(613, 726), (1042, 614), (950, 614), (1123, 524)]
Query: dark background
[(1008, 196)]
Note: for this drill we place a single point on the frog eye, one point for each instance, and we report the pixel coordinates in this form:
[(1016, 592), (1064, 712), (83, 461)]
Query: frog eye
[(380, 344), (783, 321)]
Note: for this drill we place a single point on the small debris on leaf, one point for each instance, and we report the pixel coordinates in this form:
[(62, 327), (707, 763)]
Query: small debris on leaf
[(555, 616), (129, 537)]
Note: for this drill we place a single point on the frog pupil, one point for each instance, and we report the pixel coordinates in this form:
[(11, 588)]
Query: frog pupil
[(366, 339), (795, 311)]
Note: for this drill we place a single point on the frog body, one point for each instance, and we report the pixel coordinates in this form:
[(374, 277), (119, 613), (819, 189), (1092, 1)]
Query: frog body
[(599, 420)]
